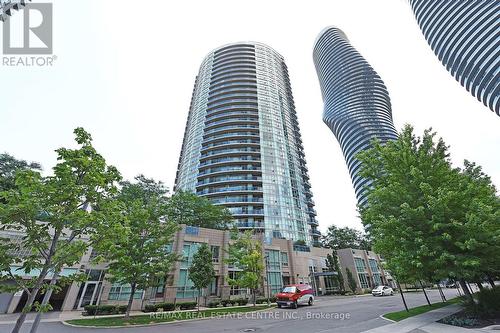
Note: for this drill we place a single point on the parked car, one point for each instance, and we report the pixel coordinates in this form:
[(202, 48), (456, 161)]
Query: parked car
[(451, 284), (295, 294), (382, 291)]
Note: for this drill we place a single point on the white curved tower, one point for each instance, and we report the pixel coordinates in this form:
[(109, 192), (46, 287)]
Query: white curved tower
[(357, 107)]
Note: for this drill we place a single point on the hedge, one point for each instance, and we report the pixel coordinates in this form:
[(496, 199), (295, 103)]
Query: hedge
[(214, 303), (105, 309), (157, 306), (187, 305), (169, 306)]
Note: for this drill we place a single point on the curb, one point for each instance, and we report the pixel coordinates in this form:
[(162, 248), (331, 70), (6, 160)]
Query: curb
[(384, 318), (153, 324)]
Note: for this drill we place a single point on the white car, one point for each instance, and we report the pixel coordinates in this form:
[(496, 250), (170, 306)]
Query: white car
[(382, 291)]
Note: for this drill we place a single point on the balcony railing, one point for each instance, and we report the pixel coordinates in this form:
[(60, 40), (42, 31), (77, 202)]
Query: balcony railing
[(230, 189), (230, 159), (231, 168)]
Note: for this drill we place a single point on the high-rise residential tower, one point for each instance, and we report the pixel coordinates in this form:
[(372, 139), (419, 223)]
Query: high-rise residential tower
[(357, 107), (465, 37), (242, 146)]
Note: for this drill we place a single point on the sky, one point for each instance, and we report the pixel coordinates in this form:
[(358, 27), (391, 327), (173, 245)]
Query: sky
[(125, 72)]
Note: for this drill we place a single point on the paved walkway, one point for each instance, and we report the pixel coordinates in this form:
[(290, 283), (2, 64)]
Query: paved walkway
[(425, 323), (54, 316)]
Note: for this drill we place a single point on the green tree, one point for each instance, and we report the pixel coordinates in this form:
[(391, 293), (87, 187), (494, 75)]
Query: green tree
[(202, 270), (58, 217), (351, 281), (9, 166), (342, 238), (332, 262), (429, 220), (138, 253), (245, 253), (190, 209)]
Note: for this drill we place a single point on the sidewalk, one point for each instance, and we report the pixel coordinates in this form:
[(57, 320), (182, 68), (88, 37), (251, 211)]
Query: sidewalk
[(54, 316), (426, 322)]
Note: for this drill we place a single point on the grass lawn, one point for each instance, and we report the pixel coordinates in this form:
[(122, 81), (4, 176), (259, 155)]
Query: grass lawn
[(400, 315), (161, 317)]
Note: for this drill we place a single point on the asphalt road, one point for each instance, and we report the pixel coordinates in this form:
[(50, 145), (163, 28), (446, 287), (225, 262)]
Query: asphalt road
[(328, 314)]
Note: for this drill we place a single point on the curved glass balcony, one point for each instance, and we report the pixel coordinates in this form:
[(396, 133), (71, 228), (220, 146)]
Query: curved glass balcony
[(230, 151), (242, 159), (232, 120), (248, 188), (229, 168), (231, 127), (229, 143), (236, 199), (230, 135), (232, 113), (232, 177)]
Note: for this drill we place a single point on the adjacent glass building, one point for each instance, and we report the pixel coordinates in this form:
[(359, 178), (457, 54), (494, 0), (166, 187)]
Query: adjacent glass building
[(465, 37), (242, 146), (357, 107)]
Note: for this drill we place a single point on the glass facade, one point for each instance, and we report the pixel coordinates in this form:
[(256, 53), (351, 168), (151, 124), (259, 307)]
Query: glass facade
[(373, 265), (185, 287), (242, 146), (360, 265), (363, 280), (273, 269), (357, 107), (464, 36), (121, 292)]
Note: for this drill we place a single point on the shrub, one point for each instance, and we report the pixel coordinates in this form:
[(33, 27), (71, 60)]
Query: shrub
[(458, 321), (187, 305), (488, 303), (226, 302), (214, 303), (263, 300), (150, 308), (156, 307), (121, 308), (101, 309), (241, 301)]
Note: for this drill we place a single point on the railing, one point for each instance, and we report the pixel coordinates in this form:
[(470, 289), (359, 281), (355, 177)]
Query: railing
[(225, 169), (229, 189), (236, 199), (230, 127), (230, 159), (229, 142), (223, 179)]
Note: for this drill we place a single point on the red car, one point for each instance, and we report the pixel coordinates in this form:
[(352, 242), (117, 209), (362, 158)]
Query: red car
[(295, 294)]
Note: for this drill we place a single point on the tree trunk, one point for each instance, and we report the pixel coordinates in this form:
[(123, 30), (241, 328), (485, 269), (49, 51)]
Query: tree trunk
[(26, 309), (131, 298), (491, 281), (443, 298), (465, 289), (45, 301), (402, 296), (425, 293), (479, 284), (199, 293), (254, 292)]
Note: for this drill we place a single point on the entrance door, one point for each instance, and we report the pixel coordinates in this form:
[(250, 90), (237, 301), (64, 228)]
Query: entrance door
[(89, 294)]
